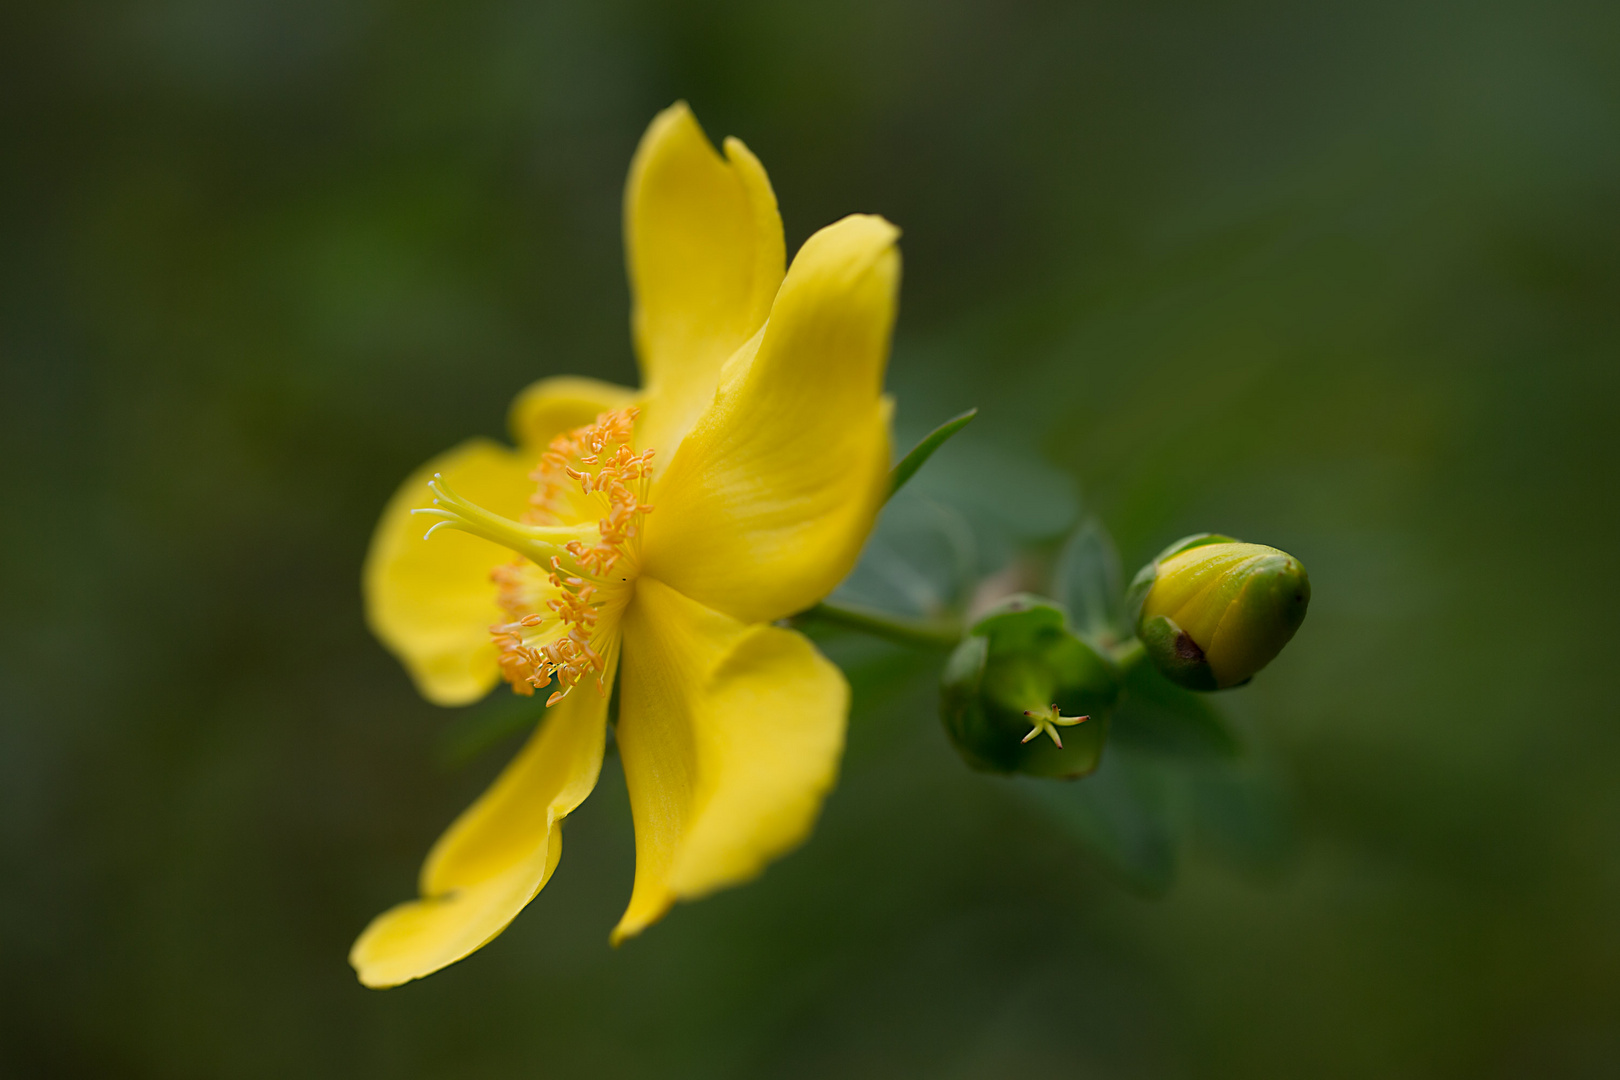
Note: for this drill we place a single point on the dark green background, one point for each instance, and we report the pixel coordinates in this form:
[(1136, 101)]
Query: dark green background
[(1342, 278)]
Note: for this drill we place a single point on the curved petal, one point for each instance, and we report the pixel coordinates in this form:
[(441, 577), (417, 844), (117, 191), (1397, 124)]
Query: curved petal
[(497, 856), (431, 601), (703, 240), (730, 736), (764, 508), (546, 409)]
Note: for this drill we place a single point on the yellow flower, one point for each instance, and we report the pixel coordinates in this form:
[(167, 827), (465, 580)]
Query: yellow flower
[(670, 527)]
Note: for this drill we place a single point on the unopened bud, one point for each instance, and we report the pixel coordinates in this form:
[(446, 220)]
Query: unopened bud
[(1214, 611), (1023, 694)]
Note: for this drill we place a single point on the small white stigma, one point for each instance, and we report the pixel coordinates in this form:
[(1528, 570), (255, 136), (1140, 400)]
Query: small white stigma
[(1049, 721)]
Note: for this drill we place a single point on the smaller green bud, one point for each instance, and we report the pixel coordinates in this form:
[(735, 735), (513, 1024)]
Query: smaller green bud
[(1018, 677), (1213, 611)]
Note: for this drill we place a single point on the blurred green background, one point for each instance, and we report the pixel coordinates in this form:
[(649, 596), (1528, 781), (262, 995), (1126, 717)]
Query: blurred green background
[(1338, 277)]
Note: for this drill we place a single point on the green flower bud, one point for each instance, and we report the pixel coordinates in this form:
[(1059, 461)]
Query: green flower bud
[(1023, 694), (1213, 611)]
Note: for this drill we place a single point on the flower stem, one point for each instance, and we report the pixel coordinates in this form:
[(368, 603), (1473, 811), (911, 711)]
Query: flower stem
[(941, 633)]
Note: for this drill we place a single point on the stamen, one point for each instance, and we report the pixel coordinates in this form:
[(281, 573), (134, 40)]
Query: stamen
[(563, 601)]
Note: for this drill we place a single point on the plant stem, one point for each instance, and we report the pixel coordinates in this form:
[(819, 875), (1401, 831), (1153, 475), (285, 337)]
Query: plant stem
[(941, 633)]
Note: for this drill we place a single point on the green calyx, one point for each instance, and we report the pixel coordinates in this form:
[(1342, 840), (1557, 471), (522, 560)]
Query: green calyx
[(1016, 684), (1212, 611)]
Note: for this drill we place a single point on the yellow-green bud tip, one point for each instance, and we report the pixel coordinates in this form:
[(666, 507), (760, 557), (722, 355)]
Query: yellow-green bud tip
[(1217, 612)]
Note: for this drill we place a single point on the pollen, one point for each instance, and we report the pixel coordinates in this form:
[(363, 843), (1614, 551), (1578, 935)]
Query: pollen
[(561, 617)]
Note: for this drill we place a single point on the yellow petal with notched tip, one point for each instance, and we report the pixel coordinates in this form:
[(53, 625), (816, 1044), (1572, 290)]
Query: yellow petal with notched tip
[(499, 853), (765, 506), (431, 601), (548, 408), (703, 240), (730, 736)]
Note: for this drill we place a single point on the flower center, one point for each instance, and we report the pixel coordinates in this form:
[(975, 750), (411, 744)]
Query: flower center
[(564, 595)]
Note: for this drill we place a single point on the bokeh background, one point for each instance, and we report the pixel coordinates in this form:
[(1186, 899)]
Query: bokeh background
[(1341, 277)]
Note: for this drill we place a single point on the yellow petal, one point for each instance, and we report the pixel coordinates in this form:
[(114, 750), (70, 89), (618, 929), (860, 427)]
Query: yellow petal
[(730, 736), (431, 601), (704, 244), (548, 408), (764, 508), (499, 853)]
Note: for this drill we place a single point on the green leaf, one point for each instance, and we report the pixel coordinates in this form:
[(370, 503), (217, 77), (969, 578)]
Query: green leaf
[(1241, 812), (1011, 494), (1120, 814), (1158, 717), (908, 466), (922, 559), (1088, 582)]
